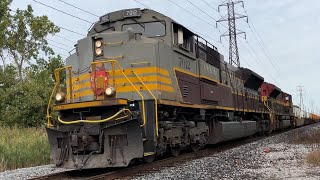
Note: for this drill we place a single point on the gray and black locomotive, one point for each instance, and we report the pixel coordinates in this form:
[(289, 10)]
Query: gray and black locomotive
[(141, 85)]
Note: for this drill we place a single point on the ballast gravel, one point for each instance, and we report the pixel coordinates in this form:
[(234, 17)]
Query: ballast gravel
[(28, 173), (270, 158)]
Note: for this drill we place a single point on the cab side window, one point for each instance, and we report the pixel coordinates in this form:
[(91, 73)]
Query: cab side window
[(183, 38)]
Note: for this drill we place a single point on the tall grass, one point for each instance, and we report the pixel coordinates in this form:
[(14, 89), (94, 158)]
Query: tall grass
[(312, 140), (23, 147)]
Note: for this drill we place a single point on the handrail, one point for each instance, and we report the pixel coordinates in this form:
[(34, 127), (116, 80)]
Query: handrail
[(155, 101), (264, 99), (98, 121), (57, 84), (122, 71)]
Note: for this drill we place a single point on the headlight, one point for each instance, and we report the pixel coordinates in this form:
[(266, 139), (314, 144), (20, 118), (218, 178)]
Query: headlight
[(60, 96), (98, 43), (110, 91), (98, 51)]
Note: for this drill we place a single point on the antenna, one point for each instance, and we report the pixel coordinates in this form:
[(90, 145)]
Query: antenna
[(233, 31)]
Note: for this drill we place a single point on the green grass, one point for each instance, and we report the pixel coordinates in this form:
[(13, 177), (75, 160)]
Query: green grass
[(23, 147)]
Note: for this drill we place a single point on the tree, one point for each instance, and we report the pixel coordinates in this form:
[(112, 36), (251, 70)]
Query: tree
[(27, 37), (5, 22), (25, 102)]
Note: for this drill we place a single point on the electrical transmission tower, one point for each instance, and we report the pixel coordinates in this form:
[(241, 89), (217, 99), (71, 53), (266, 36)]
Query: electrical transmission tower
[(300, 94), (231, 17)]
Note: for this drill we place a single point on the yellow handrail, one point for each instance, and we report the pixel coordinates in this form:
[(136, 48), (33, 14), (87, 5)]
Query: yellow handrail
[(57, 78), (122, 71), (155, 101), (98, 121)]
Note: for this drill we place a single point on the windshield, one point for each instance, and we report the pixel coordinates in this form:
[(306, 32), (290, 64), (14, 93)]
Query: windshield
[(147, 29)]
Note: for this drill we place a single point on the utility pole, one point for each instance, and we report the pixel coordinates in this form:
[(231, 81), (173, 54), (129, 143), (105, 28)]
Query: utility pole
[(312, 106), (231, 18), (300, 95)]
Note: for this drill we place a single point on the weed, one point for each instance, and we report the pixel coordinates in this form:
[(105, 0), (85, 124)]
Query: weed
[(23, 147), (314, 158)]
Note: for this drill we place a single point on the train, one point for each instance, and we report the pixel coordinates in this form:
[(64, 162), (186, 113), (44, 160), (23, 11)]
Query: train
[(303, 117), (141, 85)]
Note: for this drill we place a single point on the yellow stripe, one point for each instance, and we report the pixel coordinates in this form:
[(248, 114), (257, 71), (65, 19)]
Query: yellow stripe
[(145, 79), (126, 88), (186, 72), (208, 78), (110, 102), (87, 92), (175, 103), (195, 75), (121, 81), (159, 87), (139, 71)]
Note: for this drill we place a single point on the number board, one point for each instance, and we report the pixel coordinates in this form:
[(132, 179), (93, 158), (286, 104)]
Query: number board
[(132, 13), (104, 19)]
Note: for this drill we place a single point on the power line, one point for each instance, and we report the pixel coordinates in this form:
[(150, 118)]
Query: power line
[(59, 43), (142, 4), (59, 47), (63, 12), (192, 13), (259, 60), (262, 44), (210, 5), (70, 31), (202, 10), (78, 8), (197, 32), (65, 38)]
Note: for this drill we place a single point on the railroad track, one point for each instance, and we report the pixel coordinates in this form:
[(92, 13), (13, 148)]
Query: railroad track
[(141, 168)]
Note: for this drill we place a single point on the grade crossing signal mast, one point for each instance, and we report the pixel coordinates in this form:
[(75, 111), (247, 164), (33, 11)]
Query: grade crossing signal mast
[(231, 18)]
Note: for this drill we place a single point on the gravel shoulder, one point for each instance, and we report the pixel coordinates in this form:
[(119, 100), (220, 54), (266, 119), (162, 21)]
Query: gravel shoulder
[(28, 173), (270, 158)]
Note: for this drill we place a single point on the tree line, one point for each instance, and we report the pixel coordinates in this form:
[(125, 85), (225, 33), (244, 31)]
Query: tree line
[(27, 66)]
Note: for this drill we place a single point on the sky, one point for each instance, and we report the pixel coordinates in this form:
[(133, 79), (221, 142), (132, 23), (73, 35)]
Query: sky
[(282, 37)]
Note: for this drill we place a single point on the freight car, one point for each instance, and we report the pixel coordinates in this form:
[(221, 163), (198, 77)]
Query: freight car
[(141, 85)]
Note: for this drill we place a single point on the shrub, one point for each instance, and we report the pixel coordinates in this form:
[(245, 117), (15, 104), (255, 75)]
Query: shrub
[(314, 158)]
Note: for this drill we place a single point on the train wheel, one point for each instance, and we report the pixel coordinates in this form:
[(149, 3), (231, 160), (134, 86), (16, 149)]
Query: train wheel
[(195, 147), (149, 159), (175, 151)]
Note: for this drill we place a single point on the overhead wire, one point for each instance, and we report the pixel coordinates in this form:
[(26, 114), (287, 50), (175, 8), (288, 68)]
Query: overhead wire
[(59, 43), (262, 44), (59, 47), (64, 38), (262, 66), (56, 9), (74, 32), (79, 8)]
